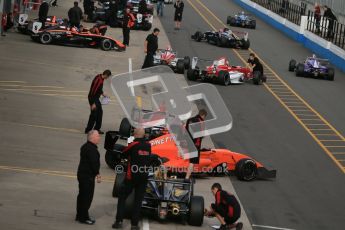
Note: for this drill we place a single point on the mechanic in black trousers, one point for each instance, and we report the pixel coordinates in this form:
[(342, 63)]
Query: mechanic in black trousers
[(96, 90), (75, 14), (88, 170), (43, 13), (255, 64), (226, 208), (150, 48), (128, 23), (89, 8), (197, 141), (140, 160)]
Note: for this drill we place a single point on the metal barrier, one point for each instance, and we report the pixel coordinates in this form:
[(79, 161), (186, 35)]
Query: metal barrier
[(330, 30), (290, 11)]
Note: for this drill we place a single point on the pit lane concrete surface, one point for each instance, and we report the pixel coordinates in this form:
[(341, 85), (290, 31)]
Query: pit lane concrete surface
[(308, 191), (43, 112)]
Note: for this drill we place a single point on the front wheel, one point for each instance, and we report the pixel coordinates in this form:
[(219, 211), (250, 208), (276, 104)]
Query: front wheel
[(330, 74), (245, 44), (246, 169), (192, 74), (46, 38), (224, 78), (106, 45), (292, 65), (300, 70)]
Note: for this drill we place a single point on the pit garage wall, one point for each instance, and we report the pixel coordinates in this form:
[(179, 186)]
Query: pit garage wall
[(317, 45)]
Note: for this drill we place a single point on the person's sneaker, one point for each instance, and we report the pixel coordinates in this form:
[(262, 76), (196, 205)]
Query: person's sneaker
[(117, 225), (135, 227), (239, 226), (100, 132), (88, 221)]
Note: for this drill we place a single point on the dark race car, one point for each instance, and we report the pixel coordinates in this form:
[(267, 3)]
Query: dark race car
[(103, 13), (25, 26), (312, 67), (224, 38), (241, 20), (221, 72), (166, 197), (64, 35), (169, 57)]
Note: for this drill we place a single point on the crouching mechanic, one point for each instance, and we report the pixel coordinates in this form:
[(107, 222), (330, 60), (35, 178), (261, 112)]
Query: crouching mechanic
[(140, 161), (226, 208), (255, 64)]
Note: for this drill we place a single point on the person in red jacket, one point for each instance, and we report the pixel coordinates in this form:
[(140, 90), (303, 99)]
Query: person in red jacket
[(96, 90), (226, 208), (128, 23)]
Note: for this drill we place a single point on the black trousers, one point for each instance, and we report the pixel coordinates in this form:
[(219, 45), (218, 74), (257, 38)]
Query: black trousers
[(95, 118), (148, 62), (85, 196), (139, 192), (125, 32)]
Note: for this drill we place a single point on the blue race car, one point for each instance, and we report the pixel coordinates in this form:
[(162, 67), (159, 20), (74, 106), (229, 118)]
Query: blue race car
[(312, 67), (242, 20)]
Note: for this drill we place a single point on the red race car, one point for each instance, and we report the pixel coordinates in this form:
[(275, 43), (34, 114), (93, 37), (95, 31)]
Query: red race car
[(220, 71), (212, 161)]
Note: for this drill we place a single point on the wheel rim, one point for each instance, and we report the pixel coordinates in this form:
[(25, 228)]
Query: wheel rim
[(45, 38), (249, 171), (227, 79), (107, 45)]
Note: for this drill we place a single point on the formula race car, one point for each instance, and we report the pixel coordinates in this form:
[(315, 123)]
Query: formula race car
[(166, 197), (64, 35), (165, 1), (103, 13), (169, 57), (134, 5), (25, 26), (242, 20), (224, 38), (223, 73), (212, 161), (313, 67)]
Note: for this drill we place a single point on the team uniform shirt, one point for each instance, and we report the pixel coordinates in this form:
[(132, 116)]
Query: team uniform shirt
[(226, 205), (197, 141), (96, 89), (258, 65), (152, 43)]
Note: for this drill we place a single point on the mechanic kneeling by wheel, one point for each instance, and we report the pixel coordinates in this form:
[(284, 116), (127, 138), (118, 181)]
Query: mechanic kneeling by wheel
[(140, 160), (255, 64), (226, 208)]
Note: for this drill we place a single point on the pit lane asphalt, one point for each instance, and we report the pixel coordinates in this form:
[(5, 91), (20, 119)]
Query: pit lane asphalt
[(309, 190)]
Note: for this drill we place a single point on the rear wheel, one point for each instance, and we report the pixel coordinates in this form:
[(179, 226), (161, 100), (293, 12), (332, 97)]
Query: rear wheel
[(292, 65), (197, 36), (147, 26), (125, 128), (186, 62), (246, 169), (192, 74), (180, 66), (106, 44), (245, 44), (253, 24), (46, 38), (228, 20), (196, 211), (223, 41), (330, 74), (232, 21), (300, 70)]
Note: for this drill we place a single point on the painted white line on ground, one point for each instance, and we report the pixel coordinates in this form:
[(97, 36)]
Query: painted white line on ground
[(146, 225), (270, 227)]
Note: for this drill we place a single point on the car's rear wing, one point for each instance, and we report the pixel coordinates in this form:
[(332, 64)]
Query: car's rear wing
[(240, 35), (164, 50), (195, 60)]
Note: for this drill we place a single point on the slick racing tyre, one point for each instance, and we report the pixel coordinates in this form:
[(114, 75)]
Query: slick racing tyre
[(186, 62), (180, 66), (46, 38), (246, 169), (245, 44), (252, 24), (196, 211), (224, 78), (197, 36), (232, 21), (119, 179), (300, 70), (147, 26), (292, 65), (192, 74), (330, 74), (125, 128), (110, 159), (223, 42), (106, 44)]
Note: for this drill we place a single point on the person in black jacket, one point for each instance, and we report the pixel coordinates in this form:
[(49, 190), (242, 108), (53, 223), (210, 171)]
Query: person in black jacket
[(200, 118), (150, 48), (140, 161), (43, 13), (75, 14), (142, 9), (88, 170), (255, 64), (179, 5), (331, 19), (96, 90), (128, 22), (226, 208)]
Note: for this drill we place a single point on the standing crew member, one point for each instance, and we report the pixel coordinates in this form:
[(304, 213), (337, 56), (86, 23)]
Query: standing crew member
[(317, 16), (255, 64), (75, 14), (88, 9), (142, 9), (150, 48), (331, 19), (88, 170), (128, 23), (43, 13), (200, 118), (226, 208), (179, 5), (160, 6), (139, 160), (96, 90)]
